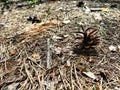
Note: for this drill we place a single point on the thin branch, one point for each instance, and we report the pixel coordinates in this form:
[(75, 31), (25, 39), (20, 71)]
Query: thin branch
[(80, 86), (48, 54)]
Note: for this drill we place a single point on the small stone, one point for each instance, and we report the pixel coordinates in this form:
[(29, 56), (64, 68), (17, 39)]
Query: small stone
[(97, 17), (35, 55), (66, 21), (92, 60), (112, 48), (55, 38), (68, 62), (66, 36), (12, 51)]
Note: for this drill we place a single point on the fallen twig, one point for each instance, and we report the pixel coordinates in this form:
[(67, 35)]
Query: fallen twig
[(48, 54)]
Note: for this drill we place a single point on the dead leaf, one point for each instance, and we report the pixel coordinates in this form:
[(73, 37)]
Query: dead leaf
[(90, 74), (112, 48), (105, 10)]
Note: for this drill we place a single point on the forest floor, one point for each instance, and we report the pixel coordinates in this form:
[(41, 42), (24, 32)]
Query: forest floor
[(37, 46)]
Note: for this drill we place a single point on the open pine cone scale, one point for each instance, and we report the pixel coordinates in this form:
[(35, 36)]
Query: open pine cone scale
[(91, 39)]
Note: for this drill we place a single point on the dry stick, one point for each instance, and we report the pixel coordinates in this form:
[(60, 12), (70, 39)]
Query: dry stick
[(82, 28), (77, 86), (48, 54), (23, 85), (27, 71), (38, 77), (7, 55), (52, 85), (36, 63), (101, 84), (96, 9), (5, 65), (101, 60), (80, 86), (20, 52), (116, 67), (37, 73), (62, 78), (68, 82), (72, 82), (71, 77), (41, 82)]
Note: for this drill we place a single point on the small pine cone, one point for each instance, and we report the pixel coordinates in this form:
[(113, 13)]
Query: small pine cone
[(91, 39)]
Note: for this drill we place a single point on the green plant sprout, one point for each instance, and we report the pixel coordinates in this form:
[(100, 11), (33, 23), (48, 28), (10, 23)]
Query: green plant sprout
[(32, 2)]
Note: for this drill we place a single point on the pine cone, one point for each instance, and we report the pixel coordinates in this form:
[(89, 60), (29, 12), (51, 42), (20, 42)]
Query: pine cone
[(90, 39)]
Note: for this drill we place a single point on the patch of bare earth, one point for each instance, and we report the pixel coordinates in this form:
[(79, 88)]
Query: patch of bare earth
[(42, 56)]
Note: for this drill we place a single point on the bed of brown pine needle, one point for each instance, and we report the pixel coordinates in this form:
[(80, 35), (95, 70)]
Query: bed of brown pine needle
[(43, 56)]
